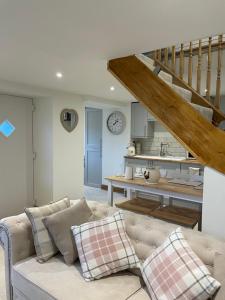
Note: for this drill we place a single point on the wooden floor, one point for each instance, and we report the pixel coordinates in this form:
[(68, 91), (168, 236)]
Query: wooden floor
[(179, 215)]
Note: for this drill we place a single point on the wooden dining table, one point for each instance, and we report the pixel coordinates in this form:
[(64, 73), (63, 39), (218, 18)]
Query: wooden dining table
[(163, 189)]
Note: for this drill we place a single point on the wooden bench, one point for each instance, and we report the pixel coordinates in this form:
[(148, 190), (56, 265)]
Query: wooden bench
[(179, 215)]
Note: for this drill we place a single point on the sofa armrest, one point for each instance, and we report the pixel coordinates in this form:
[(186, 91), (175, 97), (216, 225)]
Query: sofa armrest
[(17, 241)]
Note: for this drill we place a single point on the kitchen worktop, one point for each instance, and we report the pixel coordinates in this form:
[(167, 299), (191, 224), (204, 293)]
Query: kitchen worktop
[(172, 159)]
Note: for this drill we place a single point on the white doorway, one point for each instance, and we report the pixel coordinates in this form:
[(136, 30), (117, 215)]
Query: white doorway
[(93, 147), (16, 155)]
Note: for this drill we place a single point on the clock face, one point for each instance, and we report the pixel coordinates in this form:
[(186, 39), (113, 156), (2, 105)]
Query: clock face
[(116, 122)]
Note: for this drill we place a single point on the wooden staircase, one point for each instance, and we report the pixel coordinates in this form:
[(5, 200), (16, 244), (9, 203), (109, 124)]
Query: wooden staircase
[(202, 138)]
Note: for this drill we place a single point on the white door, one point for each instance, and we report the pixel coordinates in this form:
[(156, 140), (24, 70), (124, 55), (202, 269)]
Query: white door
[(16, 155), (93, 147)]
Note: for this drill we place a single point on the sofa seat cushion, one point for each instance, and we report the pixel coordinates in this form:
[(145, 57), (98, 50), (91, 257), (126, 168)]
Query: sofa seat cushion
[(55, 280)]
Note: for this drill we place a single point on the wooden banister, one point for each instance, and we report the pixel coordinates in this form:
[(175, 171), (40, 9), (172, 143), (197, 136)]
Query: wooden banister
[(218, 81), (160, 55), (189, 127), (173, 60), (200, 47), (218, 116), (198, 86), (166, 52), (208, 80), (181, 61), (190, 65)]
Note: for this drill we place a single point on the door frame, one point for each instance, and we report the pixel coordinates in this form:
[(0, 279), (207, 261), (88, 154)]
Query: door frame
[(88, 108)]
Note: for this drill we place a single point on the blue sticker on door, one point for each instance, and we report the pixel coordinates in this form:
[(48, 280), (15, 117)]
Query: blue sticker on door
[(7, 128)]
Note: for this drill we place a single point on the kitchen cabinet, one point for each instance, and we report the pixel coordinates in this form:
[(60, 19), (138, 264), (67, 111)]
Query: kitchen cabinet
[(142, 124)]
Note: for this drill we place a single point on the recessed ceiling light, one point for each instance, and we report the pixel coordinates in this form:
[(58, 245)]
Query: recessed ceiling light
[(112, 88), (59, 75)]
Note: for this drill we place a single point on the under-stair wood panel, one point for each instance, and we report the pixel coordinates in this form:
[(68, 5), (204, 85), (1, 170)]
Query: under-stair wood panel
[(218, 115), (194, 132)]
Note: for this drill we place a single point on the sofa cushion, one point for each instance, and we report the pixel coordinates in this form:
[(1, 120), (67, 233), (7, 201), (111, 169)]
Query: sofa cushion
[(104, 247), (59, 226), (147, 234), (219, 274), (44, 245), (141, 294), (56, 280), (174, 271)]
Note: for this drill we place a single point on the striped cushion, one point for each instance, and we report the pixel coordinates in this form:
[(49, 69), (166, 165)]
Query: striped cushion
[(44, 245), (104, 247), (174, 271)]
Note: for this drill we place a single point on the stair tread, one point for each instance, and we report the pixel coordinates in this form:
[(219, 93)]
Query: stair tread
[(146, 60), (166, 77)]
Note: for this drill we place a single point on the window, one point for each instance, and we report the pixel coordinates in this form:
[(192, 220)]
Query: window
[(7, 128)]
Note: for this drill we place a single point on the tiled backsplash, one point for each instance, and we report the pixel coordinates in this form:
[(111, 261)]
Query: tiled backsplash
[(151, 146)]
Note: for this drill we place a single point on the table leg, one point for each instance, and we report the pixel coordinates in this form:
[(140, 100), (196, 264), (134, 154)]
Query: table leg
[(110, 194), (129, 194), (170, 201), (200, 219), (161, 200)]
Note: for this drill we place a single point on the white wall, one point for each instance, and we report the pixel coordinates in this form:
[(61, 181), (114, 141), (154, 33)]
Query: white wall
[(113, 146), (59, 162), (68, 151), (213, 214), (43, 146)]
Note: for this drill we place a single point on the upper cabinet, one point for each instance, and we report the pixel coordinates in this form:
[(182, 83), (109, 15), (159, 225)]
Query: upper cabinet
[(142, 125)]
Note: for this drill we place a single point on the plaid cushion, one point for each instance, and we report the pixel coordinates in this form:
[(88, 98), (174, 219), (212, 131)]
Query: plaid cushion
[(174, 271), (104, 247), (44, 246)]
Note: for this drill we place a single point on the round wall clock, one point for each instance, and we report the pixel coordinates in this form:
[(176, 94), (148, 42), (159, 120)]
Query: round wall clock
[(116, 122)]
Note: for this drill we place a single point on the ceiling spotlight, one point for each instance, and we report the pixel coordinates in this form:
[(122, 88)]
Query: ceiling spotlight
[(59, 75), (112, 88)]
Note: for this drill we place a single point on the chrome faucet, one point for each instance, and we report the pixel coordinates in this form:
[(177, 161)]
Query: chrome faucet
[(163, 149)]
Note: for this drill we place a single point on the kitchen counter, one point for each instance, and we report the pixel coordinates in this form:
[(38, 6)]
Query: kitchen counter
[(172, 159)]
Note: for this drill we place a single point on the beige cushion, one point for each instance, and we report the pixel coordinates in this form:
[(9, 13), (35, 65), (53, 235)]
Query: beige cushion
[(219, 274), (141, 294), (59, 226), (44, 246), (56, 280)]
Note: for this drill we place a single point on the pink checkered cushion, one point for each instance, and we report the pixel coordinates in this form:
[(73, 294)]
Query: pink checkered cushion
[(174, 271), (104, 247)]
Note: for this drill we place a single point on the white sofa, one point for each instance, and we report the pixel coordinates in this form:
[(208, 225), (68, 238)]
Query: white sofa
[(30, 280)]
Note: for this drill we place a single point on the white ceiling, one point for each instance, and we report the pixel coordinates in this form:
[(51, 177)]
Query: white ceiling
[(77, 37)]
